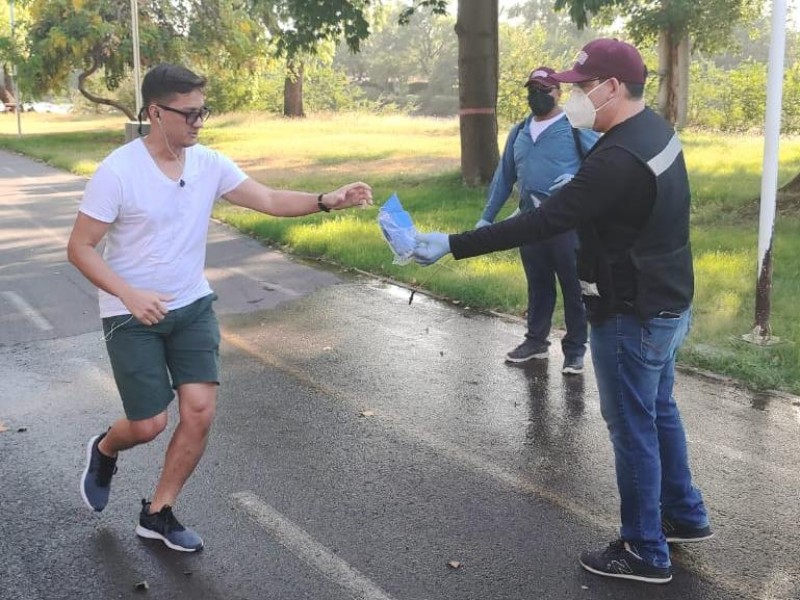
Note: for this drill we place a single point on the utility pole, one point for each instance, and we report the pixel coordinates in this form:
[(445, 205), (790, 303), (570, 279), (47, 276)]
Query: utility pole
[(14, 78), (137, 74), (134, 129), (762, 331)]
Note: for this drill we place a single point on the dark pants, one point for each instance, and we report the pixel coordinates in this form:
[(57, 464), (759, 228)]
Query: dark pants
[(543, 262)]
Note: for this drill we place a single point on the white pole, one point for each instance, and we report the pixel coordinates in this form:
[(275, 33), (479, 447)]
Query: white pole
[(769, 178), (14, 76), (137, 75)]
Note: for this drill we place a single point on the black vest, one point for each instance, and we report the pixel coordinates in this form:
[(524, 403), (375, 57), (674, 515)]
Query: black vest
[(661, 255)]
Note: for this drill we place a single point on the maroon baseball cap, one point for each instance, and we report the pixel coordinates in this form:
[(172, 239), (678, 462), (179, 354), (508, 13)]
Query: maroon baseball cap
[(604, 58), (542, 76)]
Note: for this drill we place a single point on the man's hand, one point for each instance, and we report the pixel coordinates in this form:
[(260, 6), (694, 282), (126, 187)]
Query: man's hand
[(352, 194), (147, 306), (430, 247), (482, 223)]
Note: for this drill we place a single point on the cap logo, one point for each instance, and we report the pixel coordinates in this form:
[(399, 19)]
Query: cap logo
[(582, 57), (542, 74)]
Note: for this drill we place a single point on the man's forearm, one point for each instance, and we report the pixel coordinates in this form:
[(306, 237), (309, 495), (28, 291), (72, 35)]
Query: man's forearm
[(95, 269)]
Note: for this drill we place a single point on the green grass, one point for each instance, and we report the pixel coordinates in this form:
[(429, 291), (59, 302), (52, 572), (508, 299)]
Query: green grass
[(418, 159)]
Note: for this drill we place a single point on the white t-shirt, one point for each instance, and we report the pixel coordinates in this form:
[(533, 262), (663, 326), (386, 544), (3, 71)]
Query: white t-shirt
[(159, 228), (537, 127)]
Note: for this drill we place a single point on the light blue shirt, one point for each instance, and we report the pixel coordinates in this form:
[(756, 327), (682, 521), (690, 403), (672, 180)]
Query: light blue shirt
[(535, 165)]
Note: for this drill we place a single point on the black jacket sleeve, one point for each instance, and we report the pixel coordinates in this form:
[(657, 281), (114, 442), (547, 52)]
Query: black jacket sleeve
[(598, 189)]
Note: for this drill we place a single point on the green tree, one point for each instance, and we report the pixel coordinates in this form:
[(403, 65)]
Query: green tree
[(86, 36), (94, 37), (679, 27), (298, 28), (408, 65), (11, 50)]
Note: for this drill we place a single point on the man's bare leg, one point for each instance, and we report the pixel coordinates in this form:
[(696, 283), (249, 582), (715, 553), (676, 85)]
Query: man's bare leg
[(197, 406), (125, 434)]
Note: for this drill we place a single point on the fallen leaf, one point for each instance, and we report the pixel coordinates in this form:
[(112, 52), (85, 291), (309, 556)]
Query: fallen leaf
[(142, 586), (454, 564), (584, 587), (3, 427), (367, 413), (22, 430)]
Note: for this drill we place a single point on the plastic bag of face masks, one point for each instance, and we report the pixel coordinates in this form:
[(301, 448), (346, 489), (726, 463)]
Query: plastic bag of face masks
[(398, 230)]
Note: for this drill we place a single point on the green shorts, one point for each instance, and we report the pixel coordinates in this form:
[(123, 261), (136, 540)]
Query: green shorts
[(150, 361)]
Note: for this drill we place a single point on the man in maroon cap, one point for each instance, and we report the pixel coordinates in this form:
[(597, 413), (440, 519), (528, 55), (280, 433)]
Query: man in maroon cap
[(542, 153), (630, 204)]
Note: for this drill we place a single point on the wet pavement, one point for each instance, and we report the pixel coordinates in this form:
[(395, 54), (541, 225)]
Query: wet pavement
[(361, 445)]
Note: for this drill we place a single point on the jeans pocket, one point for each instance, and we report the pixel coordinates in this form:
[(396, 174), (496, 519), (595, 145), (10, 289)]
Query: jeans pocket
[(661, 338)]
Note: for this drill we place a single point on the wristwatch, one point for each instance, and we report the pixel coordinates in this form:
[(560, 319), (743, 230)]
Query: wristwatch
[(320, 205)]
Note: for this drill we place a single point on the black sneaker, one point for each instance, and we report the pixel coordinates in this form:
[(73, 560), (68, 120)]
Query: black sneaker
[(621, 561), (165, 527), (573, 365), (678, 533), (96, 478), (528, 350)]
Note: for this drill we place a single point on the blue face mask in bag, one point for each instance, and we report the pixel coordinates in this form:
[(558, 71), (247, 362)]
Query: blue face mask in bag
[(398, 230)]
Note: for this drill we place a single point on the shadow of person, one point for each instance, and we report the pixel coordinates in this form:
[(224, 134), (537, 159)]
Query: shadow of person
[(169, 574), (573, 391)]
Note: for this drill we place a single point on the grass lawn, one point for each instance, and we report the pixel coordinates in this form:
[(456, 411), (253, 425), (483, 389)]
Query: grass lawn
[(419, 159)]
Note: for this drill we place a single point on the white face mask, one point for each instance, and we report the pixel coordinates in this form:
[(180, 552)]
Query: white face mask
[(579, 108)]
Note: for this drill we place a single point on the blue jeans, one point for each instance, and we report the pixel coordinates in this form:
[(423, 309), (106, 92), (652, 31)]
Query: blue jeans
[(634, 362), (544, 261)]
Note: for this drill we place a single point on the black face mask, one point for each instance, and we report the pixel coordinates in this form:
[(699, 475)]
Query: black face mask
[(541, 103)]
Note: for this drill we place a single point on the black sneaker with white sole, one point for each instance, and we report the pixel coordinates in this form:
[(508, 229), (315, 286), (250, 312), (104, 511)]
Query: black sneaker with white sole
[(96, 478), (680, 533), (621, 561), (165, 527), (573, 365), (528, 350)]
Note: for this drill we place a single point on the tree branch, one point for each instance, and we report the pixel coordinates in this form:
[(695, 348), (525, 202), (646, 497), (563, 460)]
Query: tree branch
[(84, 76)]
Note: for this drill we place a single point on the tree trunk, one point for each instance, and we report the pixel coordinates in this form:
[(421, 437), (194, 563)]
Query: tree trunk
[(684, 58), (7, 88), (478, 65), (673, 76), (293, 90)]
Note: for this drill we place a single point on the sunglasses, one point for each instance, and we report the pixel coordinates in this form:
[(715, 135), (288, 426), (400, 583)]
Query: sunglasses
[(191, 116)]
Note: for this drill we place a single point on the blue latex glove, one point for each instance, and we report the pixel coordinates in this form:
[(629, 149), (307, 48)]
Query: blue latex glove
[(560, 182), (482, 223), (431, 247)]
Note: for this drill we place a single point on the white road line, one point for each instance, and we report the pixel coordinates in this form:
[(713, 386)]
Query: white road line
[(312, 553), (27, 310)]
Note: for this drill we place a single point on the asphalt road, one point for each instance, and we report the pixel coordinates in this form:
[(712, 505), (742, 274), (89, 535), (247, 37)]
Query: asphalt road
[(361, 445)]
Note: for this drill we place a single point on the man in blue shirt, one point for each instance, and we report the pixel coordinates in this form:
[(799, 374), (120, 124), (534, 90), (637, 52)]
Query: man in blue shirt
[(542, 153)]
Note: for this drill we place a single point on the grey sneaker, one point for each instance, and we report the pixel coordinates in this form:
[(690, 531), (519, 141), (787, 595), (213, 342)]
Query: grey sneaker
[(528, 350), (573, 365), (621, 561), (96, 478), (678, 533), (165, 527)]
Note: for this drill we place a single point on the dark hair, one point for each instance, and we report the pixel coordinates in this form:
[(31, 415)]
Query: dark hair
[(162, 81)]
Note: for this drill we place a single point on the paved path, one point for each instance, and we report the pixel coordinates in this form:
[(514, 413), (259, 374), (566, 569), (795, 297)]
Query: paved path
[(361, 444)]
